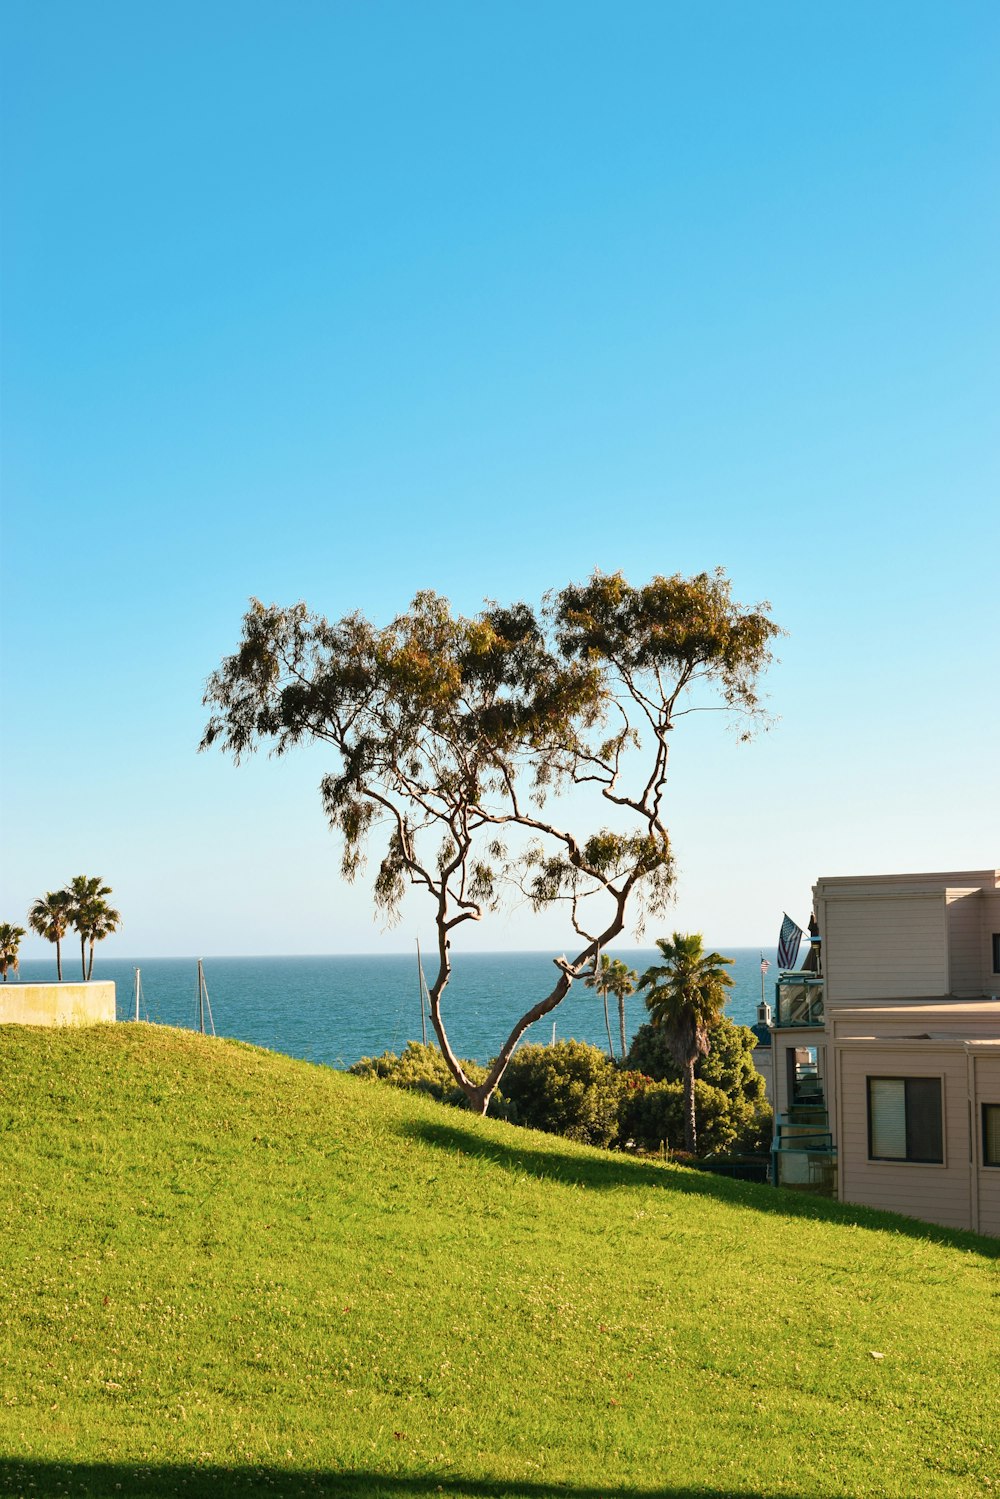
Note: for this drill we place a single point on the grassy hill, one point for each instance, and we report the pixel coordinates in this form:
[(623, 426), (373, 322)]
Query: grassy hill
[(225, 1273)]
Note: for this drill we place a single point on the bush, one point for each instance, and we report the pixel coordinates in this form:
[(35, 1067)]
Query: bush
[(757, 1130), (566, 1089), (653, 1115), (574, 1090), (422, 1068)]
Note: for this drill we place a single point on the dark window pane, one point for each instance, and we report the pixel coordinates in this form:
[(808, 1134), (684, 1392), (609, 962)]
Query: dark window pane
[(991, 1134), (924, 1140), (996, 952)]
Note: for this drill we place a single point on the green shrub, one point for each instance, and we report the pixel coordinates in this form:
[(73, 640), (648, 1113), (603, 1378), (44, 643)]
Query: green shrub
[(568, 1089), (422, 1068), (756, 1130), (653, 1115), (573, 1089)]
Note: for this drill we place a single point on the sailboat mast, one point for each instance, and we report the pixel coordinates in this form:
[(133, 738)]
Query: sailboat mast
[(420, 986)]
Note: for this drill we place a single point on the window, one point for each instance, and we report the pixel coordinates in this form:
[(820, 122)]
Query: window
[(904, 1119), (996, 952), (991, 1134)]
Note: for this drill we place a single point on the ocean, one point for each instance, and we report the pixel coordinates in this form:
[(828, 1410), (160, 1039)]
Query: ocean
[(334, 1010)]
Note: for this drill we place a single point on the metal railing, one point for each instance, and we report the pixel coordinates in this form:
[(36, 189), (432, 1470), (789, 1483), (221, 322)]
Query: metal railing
[(806, 1170)]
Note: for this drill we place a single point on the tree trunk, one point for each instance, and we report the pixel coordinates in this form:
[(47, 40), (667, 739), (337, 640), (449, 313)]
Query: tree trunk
[(58, 960), (83, 957), (479, 1097), (90, 965), (690, 1127), (607, 1024), (621, 1023)]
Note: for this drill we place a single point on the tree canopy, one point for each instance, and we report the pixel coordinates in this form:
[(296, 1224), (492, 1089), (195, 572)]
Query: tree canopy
[(92, 917), (453, 738), (50, 917), (82, 905), (10, 941)]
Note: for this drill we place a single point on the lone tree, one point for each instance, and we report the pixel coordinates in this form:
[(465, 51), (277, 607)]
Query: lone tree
[(453, 737), (10, 941), (686, 996), (50, 917), (612, 976)]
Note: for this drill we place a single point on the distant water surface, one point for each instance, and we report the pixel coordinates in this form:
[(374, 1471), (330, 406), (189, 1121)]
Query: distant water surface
[(337, 1009)]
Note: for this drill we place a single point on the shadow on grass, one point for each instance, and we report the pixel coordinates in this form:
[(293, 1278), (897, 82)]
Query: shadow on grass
[(136, 1481), (602, 1170)]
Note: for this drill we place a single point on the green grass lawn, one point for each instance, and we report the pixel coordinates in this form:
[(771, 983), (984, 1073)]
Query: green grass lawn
[(225, 1273)]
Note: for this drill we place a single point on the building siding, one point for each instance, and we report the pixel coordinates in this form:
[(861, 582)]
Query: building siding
[(987, 1090), (990, 916), (939, 1194), (965, 954), (961, 1018), (884, 947)]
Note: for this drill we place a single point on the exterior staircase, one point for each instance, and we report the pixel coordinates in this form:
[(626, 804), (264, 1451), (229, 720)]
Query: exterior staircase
[(802, 1154)]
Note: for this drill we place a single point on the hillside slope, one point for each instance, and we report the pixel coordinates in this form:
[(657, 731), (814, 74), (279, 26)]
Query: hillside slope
[(227, 1272)]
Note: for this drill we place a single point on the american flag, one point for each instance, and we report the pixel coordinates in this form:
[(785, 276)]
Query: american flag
[(788, 943), (764, 965)]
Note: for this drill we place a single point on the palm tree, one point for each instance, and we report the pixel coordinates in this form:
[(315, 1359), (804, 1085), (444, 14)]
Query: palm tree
[(50, 917), (687, 992), (10, 941), (621, 981), (612, 976), (598, 980), (101, 920), (88, 913)]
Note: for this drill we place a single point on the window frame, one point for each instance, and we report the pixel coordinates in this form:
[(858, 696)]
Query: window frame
[(916, 1077), (984, 1136)]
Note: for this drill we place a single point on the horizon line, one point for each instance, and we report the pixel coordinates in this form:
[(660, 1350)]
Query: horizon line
[(549, 952)]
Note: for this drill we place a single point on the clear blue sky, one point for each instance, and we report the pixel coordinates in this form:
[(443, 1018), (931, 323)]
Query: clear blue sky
[(339, 301)]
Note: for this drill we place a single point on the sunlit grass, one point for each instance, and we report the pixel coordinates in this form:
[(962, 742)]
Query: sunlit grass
[(226, 1271)]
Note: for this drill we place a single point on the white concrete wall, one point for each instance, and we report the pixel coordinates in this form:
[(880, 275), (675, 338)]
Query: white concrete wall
[(763, 1059), (57, 1004)]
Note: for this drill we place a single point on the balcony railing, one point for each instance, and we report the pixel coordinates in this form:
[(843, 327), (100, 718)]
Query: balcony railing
[(792, 1134), (803, 1154), (807, 1170), (798, 999)]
